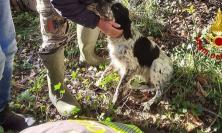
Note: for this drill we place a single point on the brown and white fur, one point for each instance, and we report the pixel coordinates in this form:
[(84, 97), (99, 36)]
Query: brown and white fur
[(133, 54)]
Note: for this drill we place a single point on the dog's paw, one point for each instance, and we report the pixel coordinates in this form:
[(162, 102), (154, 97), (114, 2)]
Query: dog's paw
[(146, 88), (115, 97)]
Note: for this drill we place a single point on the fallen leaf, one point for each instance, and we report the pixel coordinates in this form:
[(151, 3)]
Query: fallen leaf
[(190, 126), (193, 122), (196, 120), (202, 80), (201, 90)]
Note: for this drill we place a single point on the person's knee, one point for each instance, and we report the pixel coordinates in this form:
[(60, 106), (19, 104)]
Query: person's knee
[(11, 50), (2, 63), (51, 22), (54, 33)]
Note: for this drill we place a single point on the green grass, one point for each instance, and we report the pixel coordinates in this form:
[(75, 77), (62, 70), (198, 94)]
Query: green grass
[(188, 64), (109, 81), (29, 20)]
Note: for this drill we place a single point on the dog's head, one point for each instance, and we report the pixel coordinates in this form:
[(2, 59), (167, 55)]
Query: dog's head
[(121, 16), (102, 8), (112, 10)]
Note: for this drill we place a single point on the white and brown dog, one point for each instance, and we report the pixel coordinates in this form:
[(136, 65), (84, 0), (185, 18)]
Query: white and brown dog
[(133, 54)]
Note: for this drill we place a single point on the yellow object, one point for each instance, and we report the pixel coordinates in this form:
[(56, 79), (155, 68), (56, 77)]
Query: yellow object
[(214, 36), (190, 9), (216, 27)]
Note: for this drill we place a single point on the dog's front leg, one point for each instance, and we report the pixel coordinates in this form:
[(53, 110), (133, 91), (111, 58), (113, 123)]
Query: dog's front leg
[(125, 77), (106, 71)]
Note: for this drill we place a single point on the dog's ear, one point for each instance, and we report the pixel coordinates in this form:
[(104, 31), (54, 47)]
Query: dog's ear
[(121, 15)]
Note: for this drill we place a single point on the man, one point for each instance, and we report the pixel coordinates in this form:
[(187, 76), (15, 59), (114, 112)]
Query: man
[(54, 29), (54, 33), (8, 119)]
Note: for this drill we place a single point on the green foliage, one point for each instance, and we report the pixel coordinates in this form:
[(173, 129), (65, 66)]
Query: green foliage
[(188, 63), (38, 83), (24, 65), (109, 119), (109, 80), (26, 96), (143, 14), (28, 20), (58, 87), (191, 9), (75, 111), (74, 74), (71, 52), (180, 105), (102, 66), (26, 101), (136, 81)]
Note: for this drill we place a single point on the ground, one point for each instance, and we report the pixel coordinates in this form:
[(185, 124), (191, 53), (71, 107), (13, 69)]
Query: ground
[(190, 103)]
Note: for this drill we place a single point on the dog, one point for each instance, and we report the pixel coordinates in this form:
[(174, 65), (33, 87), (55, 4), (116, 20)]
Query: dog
[(101, 8), (134, 54)]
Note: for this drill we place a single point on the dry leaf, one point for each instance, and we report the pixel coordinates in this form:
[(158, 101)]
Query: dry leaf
[(195, 120), (201, 90), (190, 126), (192, 122), (202, 80)]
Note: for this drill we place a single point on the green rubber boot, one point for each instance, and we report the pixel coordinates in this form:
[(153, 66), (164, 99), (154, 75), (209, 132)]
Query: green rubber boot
[(87, 38), (61, 98)]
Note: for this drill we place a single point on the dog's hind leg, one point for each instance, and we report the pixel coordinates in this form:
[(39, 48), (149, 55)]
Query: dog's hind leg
[(106, 71), (122, 84), (146, 88), (147, 104)]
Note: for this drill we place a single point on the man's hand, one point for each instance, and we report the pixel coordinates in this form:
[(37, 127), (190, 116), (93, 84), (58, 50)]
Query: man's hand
[(110, 28)]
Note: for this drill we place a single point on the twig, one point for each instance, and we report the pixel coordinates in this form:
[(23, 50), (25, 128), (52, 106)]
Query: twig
[(127, 99), (211, 112), (47, 112), (188, 30), (215, 119), (217, 115)]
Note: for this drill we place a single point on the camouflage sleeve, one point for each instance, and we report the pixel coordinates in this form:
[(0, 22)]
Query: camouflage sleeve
[(76, 11)]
